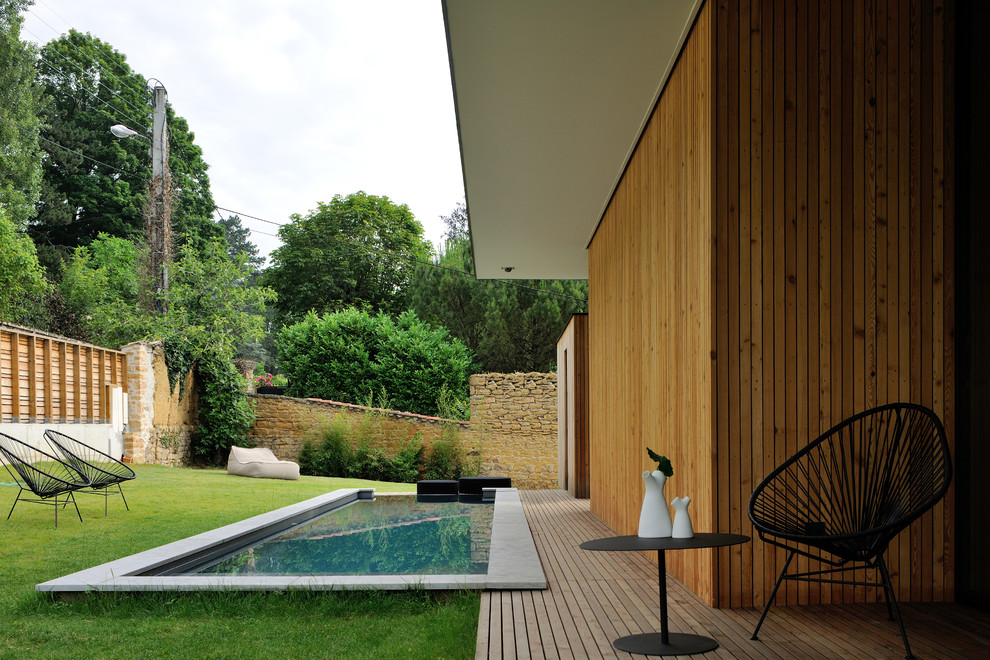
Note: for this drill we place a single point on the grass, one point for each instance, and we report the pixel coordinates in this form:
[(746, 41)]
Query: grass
[(167, 504)]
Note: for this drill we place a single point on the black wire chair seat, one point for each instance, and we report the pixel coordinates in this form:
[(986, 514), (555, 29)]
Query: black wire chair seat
[(40, 473), (104, 471), (843, 498)]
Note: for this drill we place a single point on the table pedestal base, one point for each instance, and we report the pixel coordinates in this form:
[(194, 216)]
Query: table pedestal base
[(651, 644)]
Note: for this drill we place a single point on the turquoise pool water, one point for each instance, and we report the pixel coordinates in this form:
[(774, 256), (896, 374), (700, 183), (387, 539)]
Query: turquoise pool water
[(390, 535)]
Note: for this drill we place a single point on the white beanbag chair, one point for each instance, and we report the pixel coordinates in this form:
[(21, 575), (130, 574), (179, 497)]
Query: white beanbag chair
[(260, 462)]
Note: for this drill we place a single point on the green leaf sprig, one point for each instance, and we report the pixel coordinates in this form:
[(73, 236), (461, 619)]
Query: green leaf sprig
[(663, 463)]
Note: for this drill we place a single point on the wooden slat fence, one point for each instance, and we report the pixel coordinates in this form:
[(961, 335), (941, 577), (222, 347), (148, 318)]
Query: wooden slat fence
[(49, 379)]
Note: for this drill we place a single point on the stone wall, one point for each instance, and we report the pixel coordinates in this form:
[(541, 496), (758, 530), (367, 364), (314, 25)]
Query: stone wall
[(284, 422), (516, 416), (160, 418), (513, 426)]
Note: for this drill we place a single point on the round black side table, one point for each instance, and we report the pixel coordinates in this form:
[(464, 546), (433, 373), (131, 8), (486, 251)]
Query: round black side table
[(664, 642)]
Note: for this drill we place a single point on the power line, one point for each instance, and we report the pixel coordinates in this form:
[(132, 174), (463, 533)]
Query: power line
[(253, 217), (72, 151), (399, 255)]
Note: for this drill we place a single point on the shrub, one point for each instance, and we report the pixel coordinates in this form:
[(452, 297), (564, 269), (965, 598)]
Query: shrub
[(353, 355), (326, 449), (451, 406), (224, 413), (327, 452), (447, 458), (406, 466)]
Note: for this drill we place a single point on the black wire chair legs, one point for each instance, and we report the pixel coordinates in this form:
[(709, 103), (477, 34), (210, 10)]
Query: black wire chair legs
[(893, 612), (107, 493), (892, 604), (766, 608), (52, 501)]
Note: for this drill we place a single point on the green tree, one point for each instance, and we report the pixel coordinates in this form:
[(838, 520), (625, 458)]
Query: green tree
[(94, 183), (100, 285), (22, 279), (239, 242), (355, 251), (510, 325), (20, 105), (211, 305), (212, 311), (353, 356)]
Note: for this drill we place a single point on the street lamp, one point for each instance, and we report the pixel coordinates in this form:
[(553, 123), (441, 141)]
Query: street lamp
[(122, 131), (158, 214)]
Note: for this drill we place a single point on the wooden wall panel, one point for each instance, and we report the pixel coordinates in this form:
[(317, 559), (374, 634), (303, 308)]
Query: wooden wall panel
[(46, 378), (650, 316), (787, 212), (572, 408), (841, 262)]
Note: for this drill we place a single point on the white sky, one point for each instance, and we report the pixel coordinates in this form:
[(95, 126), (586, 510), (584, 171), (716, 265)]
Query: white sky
[(294, 101)]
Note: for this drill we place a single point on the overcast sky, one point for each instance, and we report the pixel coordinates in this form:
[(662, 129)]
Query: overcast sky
[(294, 101)]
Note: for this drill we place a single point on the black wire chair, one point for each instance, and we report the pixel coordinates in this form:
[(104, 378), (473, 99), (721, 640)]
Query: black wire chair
[(42, 474), (844, 497), (104, 471)]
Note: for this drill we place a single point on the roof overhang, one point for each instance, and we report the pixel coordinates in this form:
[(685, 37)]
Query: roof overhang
[(551, 97)]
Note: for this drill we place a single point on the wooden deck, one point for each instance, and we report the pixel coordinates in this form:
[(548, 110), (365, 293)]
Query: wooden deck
[(594, 597)]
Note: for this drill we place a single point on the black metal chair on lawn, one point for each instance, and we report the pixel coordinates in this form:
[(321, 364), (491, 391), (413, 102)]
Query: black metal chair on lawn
[(40, 473), (104, 471), (844, 497)]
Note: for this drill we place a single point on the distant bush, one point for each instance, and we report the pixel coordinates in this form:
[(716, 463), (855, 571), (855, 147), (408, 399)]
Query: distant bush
[(327, 450), (353, 355), (372, 463), (447, 458), (341, 448)]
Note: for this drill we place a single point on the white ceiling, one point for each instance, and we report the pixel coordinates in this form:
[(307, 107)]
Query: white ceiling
[(551, 97)]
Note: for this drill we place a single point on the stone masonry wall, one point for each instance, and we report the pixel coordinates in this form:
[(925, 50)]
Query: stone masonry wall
[(516, 416), (283, 423), (513, 426), (160, 418)]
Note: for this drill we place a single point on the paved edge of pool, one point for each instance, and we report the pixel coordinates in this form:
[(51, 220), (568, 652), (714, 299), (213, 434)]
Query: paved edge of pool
[(513, 563)]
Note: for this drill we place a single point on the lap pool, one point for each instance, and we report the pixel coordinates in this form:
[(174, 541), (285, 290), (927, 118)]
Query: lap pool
[(347, 539)]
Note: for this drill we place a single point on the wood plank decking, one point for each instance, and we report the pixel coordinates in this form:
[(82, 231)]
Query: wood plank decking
[(594, 597)]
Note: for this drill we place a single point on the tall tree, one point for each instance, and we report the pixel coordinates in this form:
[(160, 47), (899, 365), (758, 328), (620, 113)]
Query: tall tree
[(510, 325), (356, 251), (239, 242), (20, 105), (94, 183), (456, 224)]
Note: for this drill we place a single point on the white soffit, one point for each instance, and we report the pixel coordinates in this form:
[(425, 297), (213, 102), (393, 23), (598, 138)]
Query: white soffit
[(551, 97)]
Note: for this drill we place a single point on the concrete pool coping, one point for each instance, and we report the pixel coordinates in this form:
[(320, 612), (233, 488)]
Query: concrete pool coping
[(513, 562)]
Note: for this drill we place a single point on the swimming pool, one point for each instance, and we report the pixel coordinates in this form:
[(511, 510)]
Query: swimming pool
[(227, 558)]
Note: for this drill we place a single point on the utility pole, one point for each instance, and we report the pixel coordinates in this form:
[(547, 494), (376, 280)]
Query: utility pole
[(158, 215)]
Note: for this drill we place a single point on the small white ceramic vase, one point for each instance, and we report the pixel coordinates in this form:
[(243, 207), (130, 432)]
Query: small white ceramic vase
[(682, 527), (654, 517)]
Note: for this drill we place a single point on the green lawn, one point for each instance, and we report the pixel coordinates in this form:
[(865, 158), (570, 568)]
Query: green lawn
[(167, 504)]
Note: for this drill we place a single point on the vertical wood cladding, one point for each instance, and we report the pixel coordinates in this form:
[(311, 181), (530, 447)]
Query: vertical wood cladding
[(650, 310), (45, 378), (789, 211)]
